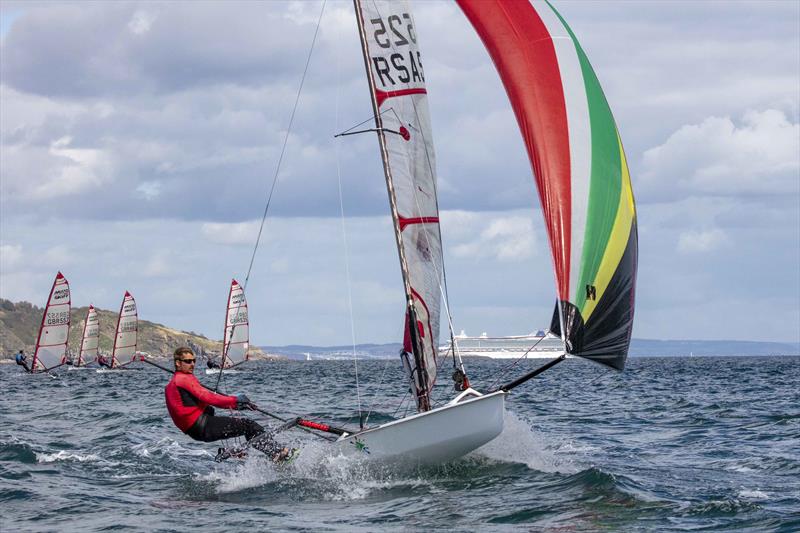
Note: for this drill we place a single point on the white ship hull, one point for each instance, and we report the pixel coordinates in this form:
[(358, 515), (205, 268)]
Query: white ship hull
[(436, 436), (533, 346)]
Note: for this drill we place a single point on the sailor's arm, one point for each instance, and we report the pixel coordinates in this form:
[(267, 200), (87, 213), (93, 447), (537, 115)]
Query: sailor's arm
[(204, 395)]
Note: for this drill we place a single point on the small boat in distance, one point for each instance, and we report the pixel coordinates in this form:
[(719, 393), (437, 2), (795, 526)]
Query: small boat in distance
[(236, 340), (540, 344), (51, 344), (90, 340), (124, 351)]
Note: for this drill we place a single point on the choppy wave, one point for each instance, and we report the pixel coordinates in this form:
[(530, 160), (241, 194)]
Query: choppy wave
[(673, 444)]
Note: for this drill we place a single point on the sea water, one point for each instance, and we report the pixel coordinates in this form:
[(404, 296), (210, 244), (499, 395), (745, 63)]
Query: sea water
[(671, 444)]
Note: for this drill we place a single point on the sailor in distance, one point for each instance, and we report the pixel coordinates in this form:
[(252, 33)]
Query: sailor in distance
[(21, 360), (191, 407)]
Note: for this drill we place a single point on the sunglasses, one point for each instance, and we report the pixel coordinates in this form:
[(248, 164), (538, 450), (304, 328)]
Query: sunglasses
[(188, 361)]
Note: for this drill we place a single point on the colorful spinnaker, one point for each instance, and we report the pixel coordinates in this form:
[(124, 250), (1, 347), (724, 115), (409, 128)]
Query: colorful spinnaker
[(400, 103), (91, 338), (580, 169), (51, 344), (235, 349), (125, 339)]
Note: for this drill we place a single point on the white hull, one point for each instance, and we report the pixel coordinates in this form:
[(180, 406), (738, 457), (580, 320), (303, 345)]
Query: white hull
[(531, 346), (70, 368), (214, 371), (436, 436)]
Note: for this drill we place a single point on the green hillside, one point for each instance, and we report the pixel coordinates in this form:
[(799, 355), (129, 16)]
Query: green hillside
[(19, 326)]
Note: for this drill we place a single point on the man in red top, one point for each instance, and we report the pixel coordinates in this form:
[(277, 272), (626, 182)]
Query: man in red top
[(190, 406)]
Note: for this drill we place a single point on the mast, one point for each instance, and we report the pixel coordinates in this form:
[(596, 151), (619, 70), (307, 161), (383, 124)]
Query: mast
[(423, 401)]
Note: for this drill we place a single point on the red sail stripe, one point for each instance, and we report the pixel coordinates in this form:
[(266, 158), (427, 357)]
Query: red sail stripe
[(381, 96), (416, 220), (524, 55)]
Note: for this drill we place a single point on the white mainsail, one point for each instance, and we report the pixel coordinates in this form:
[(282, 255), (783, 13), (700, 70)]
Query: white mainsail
[(400, 102), (236, 345), (51, 344), (127, 329), (91, 338)]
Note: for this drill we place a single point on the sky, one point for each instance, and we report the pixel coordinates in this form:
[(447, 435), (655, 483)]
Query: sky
[(138, 142)]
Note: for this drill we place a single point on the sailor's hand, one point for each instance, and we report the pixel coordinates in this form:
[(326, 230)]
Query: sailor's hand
[(242, 402)]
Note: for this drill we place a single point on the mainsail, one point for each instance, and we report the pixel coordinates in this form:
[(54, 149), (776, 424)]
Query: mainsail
[(91, 338), (237, 328), (51, 344), (400, 104), (580, 168), (127, 329)]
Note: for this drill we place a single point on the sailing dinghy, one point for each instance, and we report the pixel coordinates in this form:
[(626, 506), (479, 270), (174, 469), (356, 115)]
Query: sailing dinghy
[(90, 340), (51, 344), (236, 342), (124, 351), (584, 188)]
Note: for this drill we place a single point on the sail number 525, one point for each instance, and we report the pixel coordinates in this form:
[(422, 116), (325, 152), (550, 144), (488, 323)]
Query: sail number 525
[(401, 28)]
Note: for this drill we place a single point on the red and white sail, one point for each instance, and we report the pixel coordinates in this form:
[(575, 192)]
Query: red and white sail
[(51, 344), (400, 102), (91, 338), (127, 329), (236, 344)]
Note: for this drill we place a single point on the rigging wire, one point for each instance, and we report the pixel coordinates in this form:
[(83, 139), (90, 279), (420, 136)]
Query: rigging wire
[(277, 170), (503, 371), (344, 239)]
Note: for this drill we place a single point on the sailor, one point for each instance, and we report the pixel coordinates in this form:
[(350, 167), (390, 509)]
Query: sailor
[(102, 360), (21, 360), (211, 364), (190, 406)]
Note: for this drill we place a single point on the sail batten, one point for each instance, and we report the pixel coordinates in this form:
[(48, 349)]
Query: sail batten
[(236, 343), (396, 79), (579, 168)]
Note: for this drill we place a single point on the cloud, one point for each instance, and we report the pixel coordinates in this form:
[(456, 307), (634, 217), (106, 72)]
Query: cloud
[(702, 241), (240, 233), (11, 257), (758, 156), (504, 239), (141, 21)]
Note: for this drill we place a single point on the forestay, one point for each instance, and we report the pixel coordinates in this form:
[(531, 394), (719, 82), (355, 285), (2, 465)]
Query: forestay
[(237, 328), (580, 168), (397, 85), (127, 330), (91, 338), (51, 344)]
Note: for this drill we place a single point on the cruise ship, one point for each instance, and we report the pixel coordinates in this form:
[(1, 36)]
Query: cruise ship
[(540, 344)]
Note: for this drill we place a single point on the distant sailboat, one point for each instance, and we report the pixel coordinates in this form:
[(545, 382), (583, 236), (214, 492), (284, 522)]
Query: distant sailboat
[(124, 351), (90, 340), (236, 340), (51, 343)]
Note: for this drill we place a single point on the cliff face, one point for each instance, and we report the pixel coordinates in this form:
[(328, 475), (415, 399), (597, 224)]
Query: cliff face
[(19, 326)]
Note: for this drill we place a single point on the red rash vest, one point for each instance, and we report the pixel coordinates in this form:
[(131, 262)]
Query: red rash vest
[(185, 415)]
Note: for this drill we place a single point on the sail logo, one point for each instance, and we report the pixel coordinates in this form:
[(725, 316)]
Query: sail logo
[(61, 294), (402, 62), (129, 307), (591, 292)]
